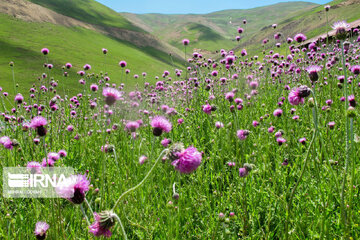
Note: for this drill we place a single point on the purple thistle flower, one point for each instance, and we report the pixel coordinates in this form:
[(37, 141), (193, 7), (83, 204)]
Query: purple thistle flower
[(355, 69), (105, 51), (111, 95), (341, 28), (243, 52), (331, 125), (165, 142), (6, 142), (122, 64), (296, 96), (87, 67), (98, 229), (38, 123), (68, 65), (19, 98), (278, 112), (242, 134), (188, 160), (45, 51), (132, 126), (34, 167), (94, 87), (185, 42), (243, 172), (302, 141), (53, 156), (219, 125), (229, 96), (313, 72), (160, 124), (207, 109), (142, 159), (300, 37), (352, 101), (62, 153), (280, 140), (74, 188), (40, 230)]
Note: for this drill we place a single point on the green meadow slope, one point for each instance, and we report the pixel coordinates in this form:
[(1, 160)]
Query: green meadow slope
[(311, 23), (21, 42), (213, 31)]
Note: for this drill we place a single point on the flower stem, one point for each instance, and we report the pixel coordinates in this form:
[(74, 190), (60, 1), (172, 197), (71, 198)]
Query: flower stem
[(139, 184), (288, 210), (342, 194)]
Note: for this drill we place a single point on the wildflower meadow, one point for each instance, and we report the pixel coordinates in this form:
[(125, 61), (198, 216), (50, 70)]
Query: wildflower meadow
[(236, 146)]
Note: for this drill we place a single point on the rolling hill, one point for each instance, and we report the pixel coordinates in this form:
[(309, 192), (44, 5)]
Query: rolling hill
[(311, 23), (213, 31), (26, 27)]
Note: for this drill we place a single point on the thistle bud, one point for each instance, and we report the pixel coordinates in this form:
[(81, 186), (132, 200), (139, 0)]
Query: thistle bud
[(311, 102)]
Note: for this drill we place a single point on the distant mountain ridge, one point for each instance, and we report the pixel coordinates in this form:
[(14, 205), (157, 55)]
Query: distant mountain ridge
[(218, 29)]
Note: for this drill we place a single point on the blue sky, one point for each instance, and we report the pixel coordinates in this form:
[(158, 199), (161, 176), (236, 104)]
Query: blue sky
[(188, 6)]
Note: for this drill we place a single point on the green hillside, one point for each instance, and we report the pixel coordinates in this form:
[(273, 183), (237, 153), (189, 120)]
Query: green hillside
[(216, 30), (88, 11), (21, 42), (311, 23)]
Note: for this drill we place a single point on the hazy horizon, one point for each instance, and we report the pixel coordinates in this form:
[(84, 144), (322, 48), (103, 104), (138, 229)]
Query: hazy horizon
[(189, 6)]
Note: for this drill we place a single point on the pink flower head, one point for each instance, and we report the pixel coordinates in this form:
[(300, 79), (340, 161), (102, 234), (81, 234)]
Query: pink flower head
[(188, 160), (19, 98), (280, 140), (229, 96), (87, 67), (313, 72), (122, 64), (207, 109), (41, 229), (62, 153), (98, 229), (219, 125), (74, 188), (53, 156), (6, 142), (111, 95), (105, 51), (94, 87), (34, 167), (142, 159), (186, 42), (296, 96), (341, 28), (243, 53), (355, 69), (68, 65), (165, 142), (45, 51), (242, 134), (160, 124), (37, 122), (240, 30), (243, 172), (278, 112), (132, 126), (300, 37)]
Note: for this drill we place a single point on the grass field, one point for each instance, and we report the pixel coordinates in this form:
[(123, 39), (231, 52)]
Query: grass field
[(21, 43), (234, 147)]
